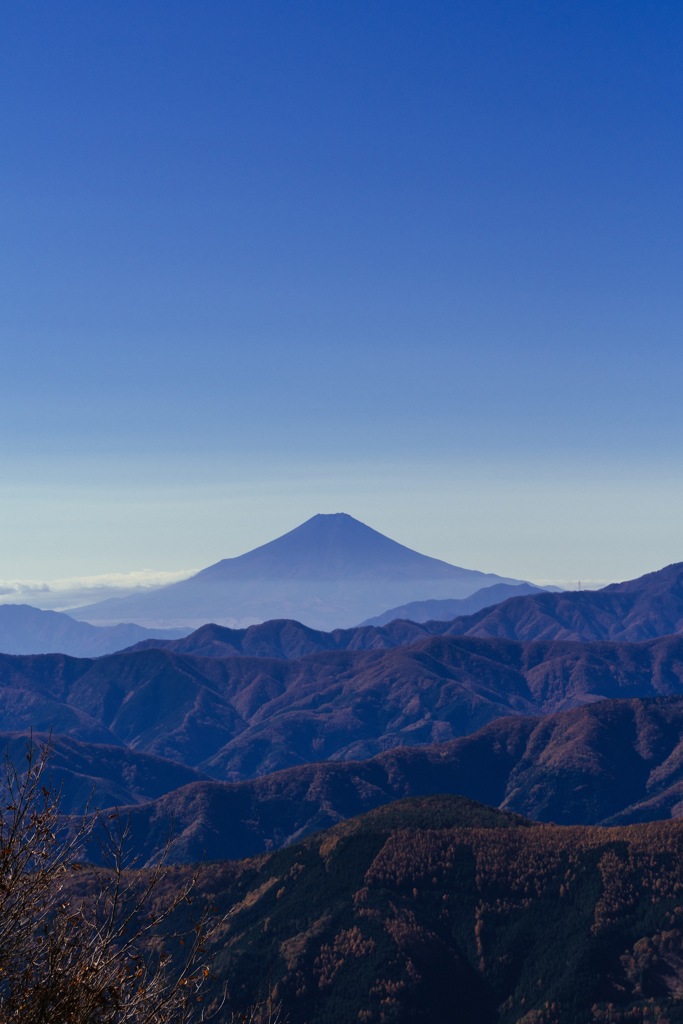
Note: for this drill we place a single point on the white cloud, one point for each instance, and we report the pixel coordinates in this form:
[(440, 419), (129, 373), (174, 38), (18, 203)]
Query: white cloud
[(71, 591)]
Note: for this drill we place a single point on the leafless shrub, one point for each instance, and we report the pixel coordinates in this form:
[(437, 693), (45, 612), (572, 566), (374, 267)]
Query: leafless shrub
[(83, 945)]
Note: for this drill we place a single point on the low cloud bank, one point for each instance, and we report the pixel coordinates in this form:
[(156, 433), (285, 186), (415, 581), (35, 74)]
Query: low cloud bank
[(72, 591)]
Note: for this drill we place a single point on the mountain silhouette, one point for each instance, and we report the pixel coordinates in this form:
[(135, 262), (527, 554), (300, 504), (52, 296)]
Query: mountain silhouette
[(329, 572)]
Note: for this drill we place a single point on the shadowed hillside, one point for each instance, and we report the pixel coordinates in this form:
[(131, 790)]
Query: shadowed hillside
[(440, 909)]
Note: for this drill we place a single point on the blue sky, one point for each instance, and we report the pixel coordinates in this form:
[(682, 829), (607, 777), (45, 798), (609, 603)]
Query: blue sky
[(420, 262)]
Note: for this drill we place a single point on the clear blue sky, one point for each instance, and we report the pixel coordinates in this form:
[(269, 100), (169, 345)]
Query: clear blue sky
[(419, 262)]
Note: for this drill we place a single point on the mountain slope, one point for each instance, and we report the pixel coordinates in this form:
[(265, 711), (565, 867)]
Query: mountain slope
[(439, 909), (98, 775), (286, 638), (329, 572)]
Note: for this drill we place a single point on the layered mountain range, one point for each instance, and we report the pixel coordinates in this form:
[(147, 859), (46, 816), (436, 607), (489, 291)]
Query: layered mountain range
[(649, 607), (239, 717), (479, 717), (251, 737), (453, 608), (614, 762), (296, 748), (640, 609), (28, 630)]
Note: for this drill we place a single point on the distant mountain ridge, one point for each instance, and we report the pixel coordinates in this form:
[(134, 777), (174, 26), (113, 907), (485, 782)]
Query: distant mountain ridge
[(264, 734), (615, 762), (28, 630), (635, 610), (447, 609), (239, 717), (286, 638), (332, 571), (249, 739)]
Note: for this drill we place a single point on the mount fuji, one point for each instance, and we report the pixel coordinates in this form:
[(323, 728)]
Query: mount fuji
[(332, 571)]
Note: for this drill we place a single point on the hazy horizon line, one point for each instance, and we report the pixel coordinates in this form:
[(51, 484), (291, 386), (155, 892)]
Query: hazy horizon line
[(67, 592)]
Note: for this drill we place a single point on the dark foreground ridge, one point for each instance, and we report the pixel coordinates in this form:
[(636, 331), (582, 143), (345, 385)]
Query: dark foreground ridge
[(441, 909)]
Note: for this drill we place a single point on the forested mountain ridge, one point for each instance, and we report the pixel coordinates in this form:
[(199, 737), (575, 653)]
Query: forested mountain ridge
[(614, 762), (439, 908), (235, 718)]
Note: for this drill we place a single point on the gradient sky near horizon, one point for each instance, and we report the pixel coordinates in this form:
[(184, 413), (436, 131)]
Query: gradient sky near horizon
[(418, 262)]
